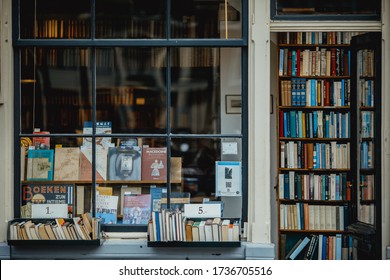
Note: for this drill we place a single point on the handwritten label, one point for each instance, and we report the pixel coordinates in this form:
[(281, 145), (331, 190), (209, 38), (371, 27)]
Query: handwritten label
[(195, 210)]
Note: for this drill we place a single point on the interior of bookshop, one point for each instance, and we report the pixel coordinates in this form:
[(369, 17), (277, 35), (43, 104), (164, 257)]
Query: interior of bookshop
[(133, 122)]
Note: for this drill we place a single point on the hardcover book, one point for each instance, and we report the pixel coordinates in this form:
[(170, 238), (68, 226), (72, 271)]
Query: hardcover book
[(106, 208), (40, 165), (86, 164), (67, 164), (103, 127), (41, 142), (154, 163), (124, 163), (136, 209)]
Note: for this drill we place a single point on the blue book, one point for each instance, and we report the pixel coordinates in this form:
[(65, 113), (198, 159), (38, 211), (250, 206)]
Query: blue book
[(315, 124), (281, 59), (293, 125), (299, 122), (40, 165), (292, 255), (294, 63)]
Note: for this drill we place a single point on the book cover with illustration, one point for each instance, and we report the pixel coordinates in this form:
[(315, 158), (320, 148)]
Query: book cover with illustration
[(136, 209), (40, 165), (67, 164), (46, 194), (154, 163), (124, 163), (107, 208)]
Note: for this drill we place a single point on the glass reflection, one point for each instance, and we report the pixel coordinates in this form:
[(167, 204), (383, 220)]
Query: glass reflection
[(55, 89), (55, 19), (131, 89)]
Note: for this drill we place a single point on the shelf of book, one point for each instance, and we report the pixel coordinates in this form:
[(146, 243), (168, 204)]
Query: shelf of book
[(194, 244), (314, 135), (59, 231), (328, 145)]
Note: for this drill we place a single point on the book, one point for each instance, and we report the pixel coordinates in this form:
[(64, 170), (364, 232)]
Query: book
[(47, 193), (106, 208), (40, 165), (41, 142), (130, 190), (298, 248), (124, 163), (67, 164), (156, 194), (154, 163), (102, 127), (177, 200), (86, 164), (176, 169), (136, 209)]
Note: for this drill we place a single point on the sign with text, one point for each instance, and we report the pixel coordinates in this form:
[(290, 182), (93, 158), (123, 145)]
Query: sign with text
[(228, 178), (197, 210), (49, 211)]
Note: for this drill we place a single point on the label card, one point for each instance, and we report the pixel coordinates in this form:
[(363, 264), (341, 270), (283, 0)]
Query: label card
[(197, 210), (49, 211)]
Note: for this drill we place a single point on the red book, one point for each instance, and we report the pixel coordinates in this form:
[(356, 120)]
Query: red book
[(154, 164)]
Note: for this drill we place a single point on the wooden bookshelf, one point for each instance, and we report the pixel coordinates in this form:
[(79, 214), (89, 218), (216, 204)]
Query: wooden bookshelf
[(317, 130)]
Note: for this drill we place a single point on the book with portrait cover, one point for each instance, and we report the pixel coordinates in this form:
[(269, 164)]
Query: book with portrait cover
[(154, 163), (136, 209)]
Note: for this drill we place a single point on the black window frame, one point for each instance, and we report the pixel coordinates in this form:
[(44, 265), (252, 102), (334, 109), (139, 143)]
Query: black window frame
[(93, 43)]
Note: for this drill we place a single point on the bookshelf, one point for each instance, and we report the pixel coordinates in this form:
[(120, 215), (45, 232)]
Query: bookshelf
[(366, 79), (318, 128)]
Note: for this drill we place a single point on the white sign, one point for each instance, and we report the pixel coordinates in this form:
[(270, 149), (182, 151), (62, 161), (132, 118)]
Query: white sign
[(197, 210), (49, 211), (228, 178), (229, 148)]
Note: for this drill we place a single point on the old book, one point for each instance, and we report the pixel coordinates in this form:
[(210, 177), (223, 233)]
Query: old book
[(102, 127), (129, 190), (41, 142), (40, 165), (67, 164), (86, 164), (136, 209), (176, 169), (154, 163), (124, 163), (106, 209), (177, 200)]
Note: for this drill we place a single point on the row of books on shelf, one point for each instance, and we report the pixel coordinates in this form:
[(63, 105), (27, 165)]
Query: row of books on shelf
[(77, 228), (319, 247), (315, 92), (367, 124), (366, 90), (309, 155), (304, 216), (366, 63), (319, 62), (317, 38), (367, 187), (114, 163), (318, 124), (366, 213), (312, 186), (173, 225), (366, 155), (105, 58)]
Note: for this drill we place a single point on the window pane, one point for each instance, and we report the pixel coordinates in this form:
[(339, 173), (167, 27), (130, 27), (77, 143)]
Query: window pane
[(131, 89), (206, 19), (206, 90), (328, 7), (55, 89), (55, 19), (130, 19), (199, 157)]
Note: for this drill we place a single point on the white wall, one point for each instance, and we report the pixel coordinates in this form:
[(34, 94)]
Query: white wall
[(6, 120), (259, 213)]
